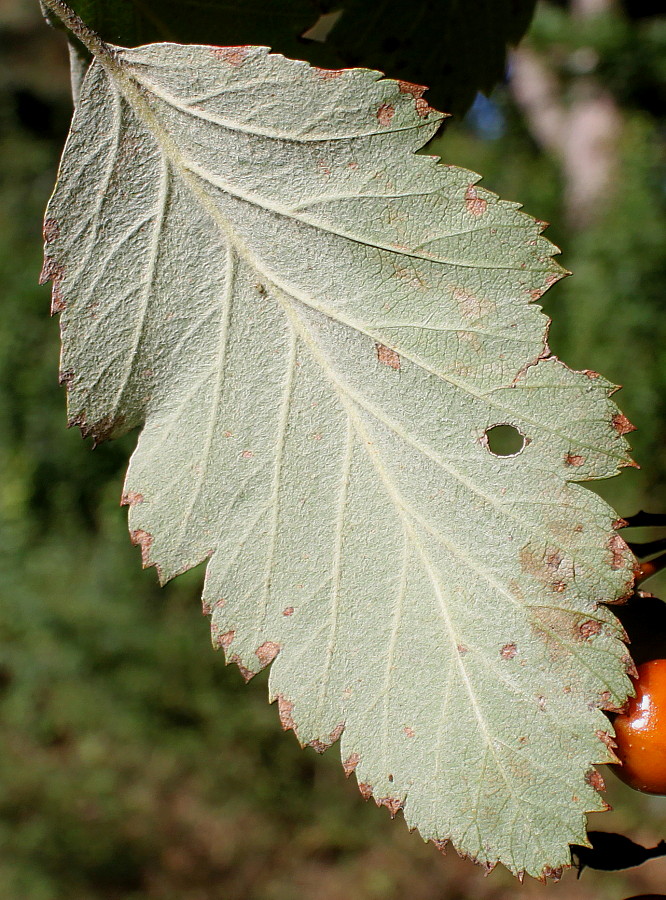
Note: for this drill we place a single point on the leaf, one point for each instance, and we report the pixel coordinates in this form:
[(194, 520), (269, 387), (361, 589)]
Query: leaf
[(457, 48), (317, 330)]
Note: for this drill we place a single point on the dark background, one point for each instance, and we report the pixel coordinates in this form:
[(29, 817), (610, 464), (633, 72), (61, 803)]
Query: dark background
[(133, 763)]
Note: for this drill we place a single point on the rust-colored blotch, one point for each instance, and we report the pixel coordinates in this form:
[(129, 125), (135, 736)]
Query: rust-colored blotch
[(641, 732)]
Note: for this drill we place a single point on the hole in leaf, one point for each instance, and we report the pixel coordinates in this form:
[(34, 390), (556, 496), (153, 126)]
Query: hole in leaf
[(504, 440)]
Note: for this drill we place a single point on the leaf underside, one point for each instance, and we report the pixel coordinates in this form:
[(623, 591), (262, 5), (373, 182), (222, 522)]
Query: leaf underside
[(315, 328)]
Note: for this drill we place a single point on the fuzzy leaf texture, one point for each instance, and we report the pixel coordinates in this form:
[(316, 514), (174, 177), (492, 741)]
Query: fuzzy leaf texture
[(314, 328)]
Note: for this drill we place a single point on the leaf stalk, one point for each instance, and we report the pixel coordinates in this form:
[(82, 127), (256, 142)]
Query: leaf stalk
[(89, 38)]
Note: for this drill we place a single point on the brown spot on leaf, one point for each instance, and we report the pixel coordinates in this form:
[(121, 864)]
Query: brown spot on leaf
[(618, 549), (549, 872), (288, 611), (235, 56), (462, 649), (554, 559), (66, 378), (223, 641), (53, 271), (578, 529), (620, 523), (51, 230), (349, 765), (131, 498), (541, 701), (606, 703), (247, 454), (440, 845), (590, 374), (594, 779), (508, 651), (285, 710), (622, 424), (408, 731), (245, 672), (588, 629), (144, 540), (385, 113), (327, 74), (542, 566), (365, 789), (610, 743), (471, 307), (208, 607), (559, 586), (387, 357), (416, 90), (629, 666), (321, 746), (99, 431), (392, 804), (474, 204), (573, 459), (267, 652)]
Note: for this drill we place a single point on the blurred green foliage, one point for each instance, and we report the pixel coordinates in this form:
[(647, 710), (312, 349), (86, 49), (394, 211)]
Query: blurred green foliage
[(133, 764)]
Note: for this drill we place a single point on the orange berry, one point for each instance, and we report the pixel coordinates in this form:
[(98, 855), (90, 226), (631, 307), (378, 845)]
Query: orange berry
[(641, 732)]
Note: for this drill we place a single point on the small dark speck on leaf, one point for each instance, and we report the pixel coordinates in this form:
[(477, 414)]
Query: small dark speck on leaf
[(508, 651)]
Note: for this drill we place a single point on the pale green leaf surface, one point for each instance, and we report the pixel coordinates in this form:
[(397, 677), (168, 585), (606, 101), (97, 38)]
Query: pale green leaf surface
[(236, 240)]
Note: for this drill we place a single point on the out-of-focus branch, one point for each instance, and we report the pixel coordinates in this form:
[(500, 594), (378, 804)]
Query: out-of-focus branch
[(537, 92), (579, 124)]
